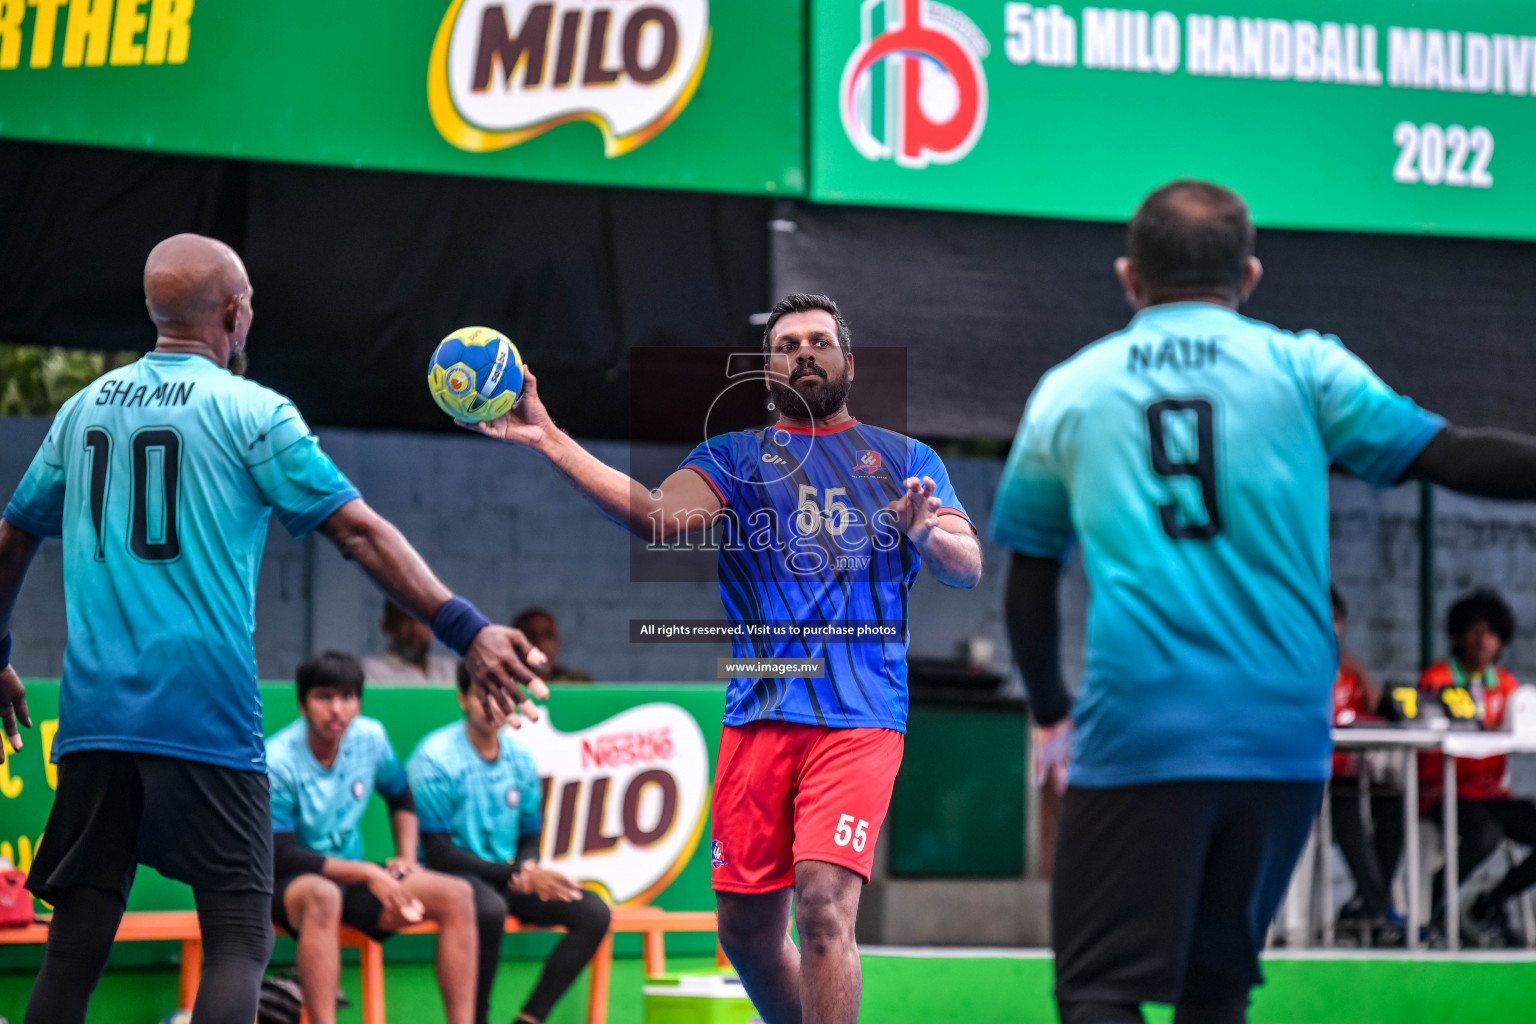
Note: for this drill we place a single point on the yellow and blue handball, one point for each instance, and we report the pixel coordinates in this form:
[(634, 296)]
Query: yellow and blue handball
[(476, 374)]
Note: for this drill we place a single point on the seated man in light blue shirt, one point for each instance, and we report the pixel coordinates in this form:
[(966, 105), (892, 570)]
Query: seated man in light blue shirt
[(479, 795), (323, 767)]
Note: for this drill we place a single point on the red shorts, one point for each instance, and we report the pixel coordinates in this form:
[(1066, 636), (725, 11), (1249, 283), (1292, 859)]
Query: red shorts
[(786, 793)]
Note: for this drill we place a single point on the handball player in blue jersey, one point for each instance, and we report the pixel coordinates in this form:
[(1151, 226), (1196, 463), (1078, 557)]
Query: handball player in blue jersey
[(160, 477), (827, 522), (1187, 456)]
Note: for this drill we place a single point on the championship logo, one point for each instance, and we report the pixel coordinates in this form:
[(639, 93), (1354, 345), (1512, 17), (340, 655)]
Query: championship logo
[(915, 91), (504, 71), (624, 801)]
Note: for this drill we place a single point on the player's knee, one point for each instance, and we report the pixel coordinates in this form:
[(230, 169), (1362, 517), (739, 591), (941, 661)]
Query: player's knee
[(320, 904), (454, 899), (823, 920), (592, 914), (739, 938), (490, 914)]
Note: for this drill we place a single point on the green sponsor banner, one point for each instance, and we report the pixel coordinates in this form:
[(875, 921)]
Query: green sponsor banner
[(1344, 114), (670, 93), (628, 771)]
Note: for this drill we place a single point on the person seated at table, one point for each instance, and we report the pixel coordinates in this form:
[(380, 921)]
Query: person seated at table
[(1473, 688), (1372, 858), (479, 795), (408, 657), (321, 769), (542, 631)]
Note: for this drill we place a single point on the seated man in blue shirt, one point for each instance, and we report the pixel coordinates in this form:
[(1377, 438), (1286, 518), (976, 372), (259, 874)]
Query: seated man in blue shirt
[(479, 797), (322, 768)]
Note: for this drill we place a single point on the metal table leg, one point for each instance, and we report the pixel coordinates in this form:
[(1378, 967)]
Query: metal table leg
[(1324, 881), (1411, 845), (1452, 861), (1363, 809)]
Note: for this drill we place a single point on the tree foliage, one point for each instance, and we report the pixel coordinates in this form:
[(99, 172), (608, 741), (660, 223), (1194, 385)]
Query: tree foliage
[(36, 381)]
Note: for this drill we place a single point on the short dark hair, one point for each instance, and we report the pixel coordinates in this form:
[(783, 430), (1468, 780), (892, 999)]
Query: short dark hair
[(1340, 609), (804, 302), (330, 669), (527, 615), (1190, 235), (462, 677), (1484, 606)]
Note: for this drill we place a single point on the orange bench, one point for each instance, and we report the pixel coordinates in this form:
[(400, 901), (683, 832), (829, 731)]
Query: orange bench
[(652, 923), (181, 926), (143, 926)]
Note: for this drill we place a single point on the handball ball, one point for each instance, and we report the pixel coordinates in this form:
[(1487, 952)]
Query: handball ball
[(476, 374)]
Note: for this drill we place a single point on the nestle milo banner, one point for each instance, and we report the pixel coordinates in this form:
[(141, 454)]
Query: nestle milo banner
[(1353, 114), (676, 93), (627, 773)]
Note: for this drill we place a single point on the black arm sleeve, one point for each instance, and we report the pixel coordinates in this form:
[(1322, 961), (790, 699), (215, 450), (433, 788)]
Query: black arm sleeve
[(1034, 630), (289, 858), (1486, 463), (401, 801), (441, 855), (528, 848)]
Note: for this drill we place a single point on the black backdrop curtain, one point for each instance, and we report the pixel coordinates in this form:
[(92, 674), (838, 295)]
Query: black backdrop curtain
[(985, 305), (359, 273)]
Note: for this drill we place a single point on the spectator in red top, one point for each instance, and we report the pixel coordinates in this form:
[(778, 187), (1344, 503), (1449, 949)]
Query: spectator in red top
[(1371, 854), (1473, 688)]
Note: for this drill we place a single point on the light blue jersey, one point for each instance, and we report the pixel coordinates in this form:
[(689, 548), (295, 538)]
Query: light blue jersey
[(160, 477), (1189, 455), (486, 806), (323, 806)]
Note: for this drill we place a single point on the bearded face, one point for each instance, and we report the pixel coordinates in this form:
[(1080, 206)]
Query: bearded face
[(810, 388)]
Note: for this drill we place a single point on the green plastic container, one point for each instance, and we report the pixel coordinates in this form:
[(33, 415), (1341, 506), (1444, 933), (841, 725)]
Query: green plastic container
[(703, 997)]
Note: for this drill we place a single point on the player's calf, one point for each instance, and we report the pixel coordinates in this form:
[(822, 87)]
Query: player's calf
[(450, 901)]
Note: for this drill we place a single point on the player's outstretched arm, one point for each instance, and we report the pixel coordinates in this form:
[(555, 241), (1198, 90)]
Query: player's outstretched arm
[(498, 658), (681, 505), (17, 548), (1487, 463)]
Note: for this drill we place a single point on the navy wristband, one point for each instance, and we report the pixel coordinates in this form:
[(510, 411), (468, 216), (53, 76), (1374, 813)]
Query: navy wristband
[(458, 623), (5, 650)]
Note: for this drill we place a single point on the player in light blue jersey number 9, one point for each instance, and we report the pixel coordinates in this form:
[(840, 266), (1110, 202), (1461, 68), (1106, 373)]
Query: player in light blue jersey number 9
[(160, 478), (1188, 457)]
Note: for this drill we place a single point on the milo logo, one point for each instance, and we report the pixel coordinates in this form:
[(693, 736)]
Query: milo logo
[(505, 71)]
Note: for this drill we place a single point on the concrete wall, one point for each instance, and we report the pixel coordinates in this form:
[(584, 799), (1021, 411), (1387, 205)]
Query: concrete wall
[(502, 528)]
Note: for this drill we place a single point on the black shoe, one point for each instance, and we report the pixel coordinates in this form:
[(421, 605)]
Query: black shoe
[(1354, 910), (1488, 925)]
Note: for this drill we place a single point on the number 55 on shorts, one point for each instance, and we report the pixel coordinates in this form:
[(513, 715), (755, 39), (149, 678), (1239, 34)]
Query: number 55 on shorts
[(847, 832)]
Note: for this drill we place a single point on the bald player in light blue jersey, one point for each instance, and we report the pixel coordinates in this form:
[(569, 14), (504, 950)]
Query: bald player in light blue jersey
[(160, 478), (1187, 456)]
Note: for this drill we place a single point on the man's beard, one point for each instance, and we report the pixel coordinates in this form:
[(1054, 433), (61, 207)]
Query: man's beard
[(823, 399), (238, 362)]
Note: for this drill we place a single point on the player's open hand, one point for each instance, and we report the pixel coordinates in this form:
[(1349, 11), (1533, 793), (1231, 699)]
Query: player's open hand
[(526, 423), (1053, 754), (13, 708), (503, 666), (917, 510)]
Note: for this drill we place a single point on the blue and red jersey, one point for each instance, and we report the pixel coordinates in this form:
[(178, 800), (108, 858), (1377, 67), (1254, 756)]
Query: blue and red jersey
[(812, 565)]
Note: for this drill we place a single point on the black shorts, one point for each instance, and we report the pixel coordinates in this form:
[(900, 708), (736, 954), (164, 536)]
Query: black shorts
[(360, 908), (1164, 892), (202, 824)]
